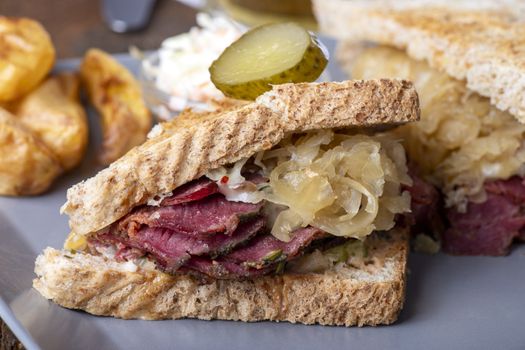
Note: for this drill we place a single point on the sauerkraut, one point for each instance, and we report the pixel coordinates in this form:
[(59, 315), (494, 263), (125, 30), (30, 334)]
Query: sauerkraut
[(346, 185), (461, 140)]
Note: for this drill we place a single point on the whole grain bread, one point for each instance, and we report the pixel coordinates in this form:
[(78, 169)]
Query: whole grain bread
[(485, 48), (186, 148), (370, 291), (513, 8)]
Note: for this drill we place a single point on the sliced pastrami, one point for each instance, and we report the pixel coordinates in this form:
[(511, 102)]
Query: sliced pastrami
[(513, 189), (171, 249), (204, 217), (426, 214), (266, 249), (490, 227), (198, 230), (192, 191), (259, 256)]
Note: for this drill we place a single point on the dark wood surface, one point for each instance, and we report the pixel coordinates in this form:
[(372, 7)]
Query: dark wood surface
[(77, 25), (7, 340)]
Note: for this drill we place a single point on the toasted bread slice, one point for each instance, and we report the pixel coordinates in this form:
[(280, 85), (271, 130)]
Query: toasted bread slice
[(369, 292), (185, 149), (485, 48), (512, 8)]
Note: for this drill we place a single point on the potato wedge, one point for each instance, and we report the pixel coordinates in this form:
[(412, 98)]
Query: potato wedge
[(27, 56), (54, 114), (27, 166), (117, 96)]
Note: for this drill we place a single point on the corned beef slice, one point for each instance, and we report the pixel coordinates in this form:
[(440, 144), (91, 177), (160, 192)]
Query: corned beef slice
[(425, 207), (266, 249), (260, 256), (172, 249), (192, 191), (489, 228), (198, 235), (203, 217)]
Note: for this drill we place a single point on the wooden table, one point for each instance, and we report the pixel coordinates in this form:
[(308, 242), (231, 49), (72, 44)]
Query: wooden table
[(75, 26)]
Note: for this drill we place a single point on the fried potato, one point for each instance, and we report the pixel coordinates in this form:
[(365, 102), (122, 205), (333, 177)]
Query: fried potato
[(117, 96), (27, 56), (54, 114), (27, 166)]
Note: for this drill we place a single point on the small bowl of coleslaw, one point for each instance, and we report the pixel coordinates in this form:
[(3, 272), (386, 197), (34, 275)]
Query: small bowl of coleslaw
[(176, 76)]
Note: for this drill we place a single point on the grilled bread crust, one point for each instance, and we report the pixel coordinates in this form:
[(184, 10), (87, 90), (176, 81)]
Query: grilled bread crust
[(186, 148), (485, 48), (369, 293), (512, 8)]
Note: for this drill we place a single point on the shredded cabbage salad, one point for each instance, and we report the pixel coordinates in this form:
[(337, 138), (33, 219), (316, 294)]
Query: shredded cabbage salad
[(183, 61)]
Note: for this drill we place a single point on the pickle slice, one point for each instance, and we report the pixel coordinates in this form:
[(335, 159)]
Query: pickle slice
[(268, 55)]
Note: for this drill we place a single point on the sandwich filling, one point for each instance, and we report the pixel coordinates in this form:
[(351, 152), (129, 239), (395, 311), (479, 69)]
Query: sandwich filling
[(312, 191), (468, 148)]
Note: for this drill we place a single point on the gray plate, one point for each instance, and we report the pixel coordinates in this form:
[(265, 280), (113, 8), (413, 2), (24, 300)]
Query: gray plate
[(452, 302)]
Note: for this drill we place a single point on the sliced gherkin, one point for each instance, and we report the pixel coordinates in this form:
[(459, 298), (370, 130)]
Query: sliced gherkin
[(268, 55), (280, 267), (273, 255)]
